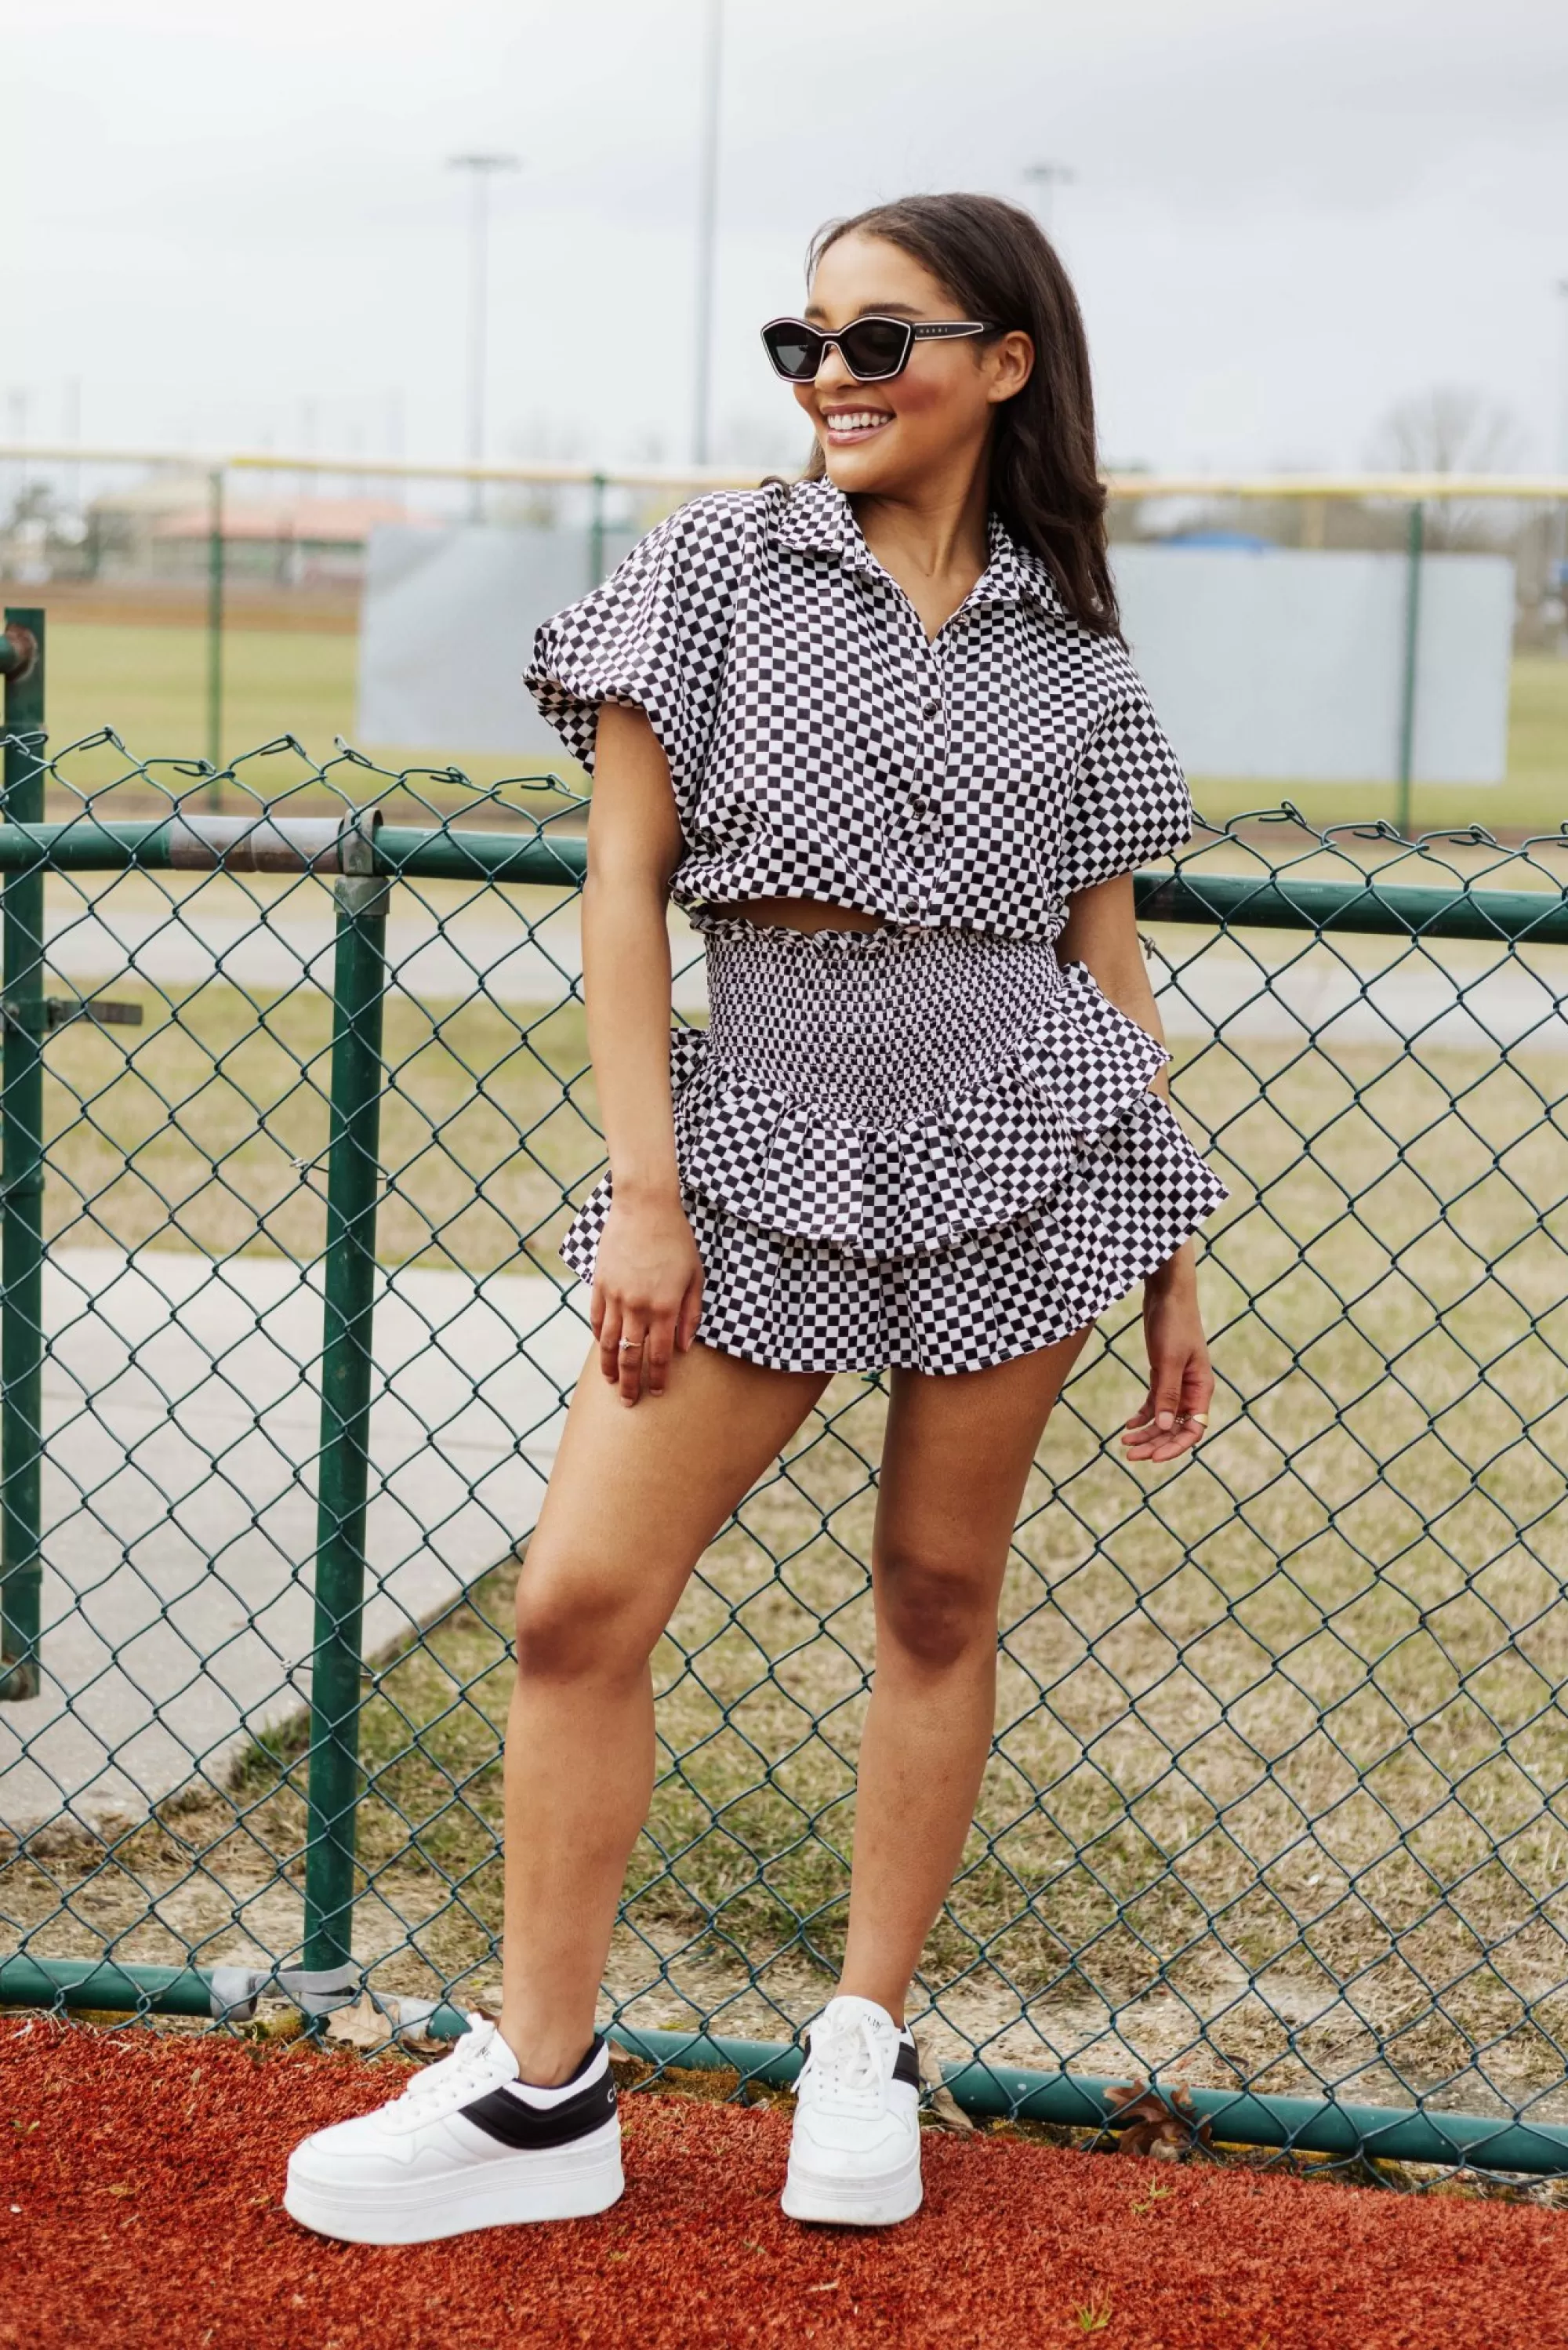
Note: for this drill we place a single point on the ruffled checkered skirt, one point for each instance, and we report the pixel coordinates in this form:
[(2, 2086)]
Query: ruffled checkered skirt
[(932, 1148)]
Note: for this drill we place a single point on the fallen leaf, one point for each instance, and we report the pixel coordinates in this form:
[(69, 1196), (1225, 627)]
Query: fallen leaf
[(363, 2026), (940, 2102), (1147, 2122), (119, 2191), (626, 2070)]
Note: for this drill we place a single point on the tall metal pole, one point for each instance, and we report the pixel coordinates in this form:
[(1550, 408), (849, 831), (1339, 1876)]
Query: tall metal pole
[(72, 405), (596, 533), (481, 169), (215, 633), (1048, 178), (1410, 680), (1562, 533), (707, 228), (22, 1172)]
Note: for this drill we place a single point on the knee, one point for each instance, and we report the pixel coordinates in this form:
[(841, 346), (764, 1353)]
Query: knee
[(938, 1611), (570, 1628)]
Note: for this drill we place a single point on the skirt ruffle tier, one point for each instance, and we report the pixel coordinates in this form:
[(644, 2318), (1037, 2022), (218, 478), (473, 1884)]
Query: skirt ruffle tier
[(929, 1150)]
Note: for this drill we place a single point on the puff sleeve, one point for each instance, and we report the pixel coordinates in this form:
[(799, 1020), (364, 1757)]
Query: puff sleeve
[(1131, 802), (655, 634)]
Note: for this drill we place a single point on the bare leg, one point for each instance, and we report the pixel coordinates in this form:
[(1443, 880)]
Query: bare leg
[(957, 1455), (634, 1499)]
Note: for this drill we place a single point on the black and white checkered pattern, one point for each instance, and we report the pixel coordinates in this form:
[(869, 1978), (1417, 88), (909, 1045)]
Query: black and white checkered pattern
[(933, 1148), (820, 747), (926, 1144)]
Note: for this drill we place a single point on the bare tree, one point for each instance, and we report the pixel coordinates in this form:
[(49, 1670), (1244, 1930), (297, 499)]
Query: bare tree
[(1453, 429)]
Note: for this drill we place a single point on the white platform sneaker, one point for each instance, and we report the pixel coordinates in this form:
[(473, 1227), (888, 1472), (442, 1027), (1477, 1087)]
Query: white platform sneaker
[(855, 2155), (466, 2144)]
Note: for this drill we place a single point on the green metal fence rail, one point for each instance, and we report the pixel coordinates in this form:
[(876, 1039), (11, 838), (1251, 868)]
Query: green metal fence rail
[(295, 1105)]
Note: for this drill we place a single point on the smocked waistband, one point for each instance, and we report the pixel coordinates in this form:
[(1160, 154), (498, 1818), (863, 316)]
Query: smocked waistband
[(879, 1026)]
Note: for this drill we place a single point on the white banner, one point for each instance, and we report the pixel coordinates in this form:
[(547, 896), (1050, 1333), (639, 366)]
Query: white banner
[(1279, 664), (1289, 665), (446, 627)]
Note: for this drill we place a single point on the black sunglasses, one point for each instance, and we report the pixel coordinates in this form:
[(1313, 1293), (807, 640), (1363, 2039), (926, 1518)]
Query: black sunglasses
[(873, 348)]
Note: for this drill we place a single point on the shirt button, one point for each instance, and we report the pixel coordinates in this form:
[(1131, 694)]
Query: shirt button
[(930, 709)]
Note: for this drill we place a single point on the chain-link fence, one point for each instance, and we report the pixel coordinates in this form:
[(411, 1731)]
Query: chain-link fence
[(295, 1105)]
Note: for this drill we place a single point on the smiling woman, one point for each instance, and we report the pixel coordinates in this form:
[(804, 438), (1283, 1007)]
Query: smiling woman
[(1028, 397), (877, 732)]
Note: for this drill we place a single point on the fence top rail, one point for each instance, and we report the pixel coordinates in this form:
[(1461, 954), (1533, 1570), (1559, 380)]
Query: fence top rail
[(1524, 489), (262, 842)]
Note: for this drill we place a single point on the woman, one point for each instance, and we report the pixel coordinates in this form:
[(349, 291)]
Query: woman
[(877, 733)]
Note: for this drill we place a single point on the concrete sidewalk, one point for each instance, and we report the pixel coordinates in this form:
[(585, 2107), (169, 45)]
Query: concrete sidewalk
[(180, 1411)]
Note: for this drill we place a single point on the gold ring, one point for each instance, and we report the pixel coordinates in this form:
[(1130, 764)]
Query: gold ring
[(1199, 1418), (631, 1346)]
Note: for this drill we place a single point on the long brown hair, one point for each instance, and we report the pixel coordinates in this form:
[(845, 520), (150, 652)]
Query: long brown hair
[(1045, 474)]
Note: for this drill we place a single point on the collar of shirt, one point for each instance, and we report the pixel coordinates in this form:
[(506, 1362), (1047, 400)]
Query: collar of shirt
[(818, 519)]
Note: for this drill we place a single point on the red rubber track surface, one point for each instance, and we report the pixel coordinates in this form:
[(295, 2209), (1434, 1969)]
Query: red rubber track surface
[(148, 2171)]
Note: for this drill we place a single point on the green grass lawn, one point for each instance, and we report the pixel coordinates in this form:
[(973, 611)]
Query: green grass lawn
[(149, 683)]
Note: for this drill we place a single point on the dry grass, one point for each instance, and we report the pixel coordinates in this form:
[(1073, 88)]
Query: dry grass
[(1281, 1774), (206, 1126)]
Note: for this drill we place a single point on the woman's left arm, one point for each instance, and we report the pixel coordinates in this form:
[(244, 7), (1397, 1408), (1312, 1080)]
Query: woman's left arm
[(1101, 931)]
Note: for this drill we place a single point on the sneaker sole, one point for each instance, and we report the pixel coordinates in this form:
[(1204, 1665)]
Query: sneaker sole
[(846, 2203), (511, 2190)]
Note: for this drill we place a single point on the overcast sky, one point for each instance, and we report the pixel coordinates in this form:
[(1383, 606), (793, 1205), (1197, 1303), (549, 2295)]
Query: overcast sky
[(234, 227)]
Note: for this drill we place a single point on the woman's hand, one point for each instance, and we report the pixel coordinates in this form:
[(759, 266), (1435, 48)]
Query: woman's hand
[(1174, 1414), (647, 1293)]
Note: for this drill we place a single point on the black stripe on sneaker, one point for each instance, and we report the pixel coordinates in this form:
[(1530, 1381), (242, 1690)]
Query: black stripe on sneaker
[(908, 2065), (523, 2116), (516, 2123)]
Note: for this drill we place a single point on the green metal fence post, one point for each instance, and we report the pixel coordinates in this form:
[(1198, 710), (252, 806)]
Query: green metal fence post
[(1415, 546), (353, 1178), (216, 583), (22, 1171)]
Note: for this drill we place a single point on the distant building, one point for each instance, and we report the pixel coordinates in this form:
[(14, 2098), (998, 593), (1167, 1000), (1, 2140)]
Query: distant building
[(161, 528)]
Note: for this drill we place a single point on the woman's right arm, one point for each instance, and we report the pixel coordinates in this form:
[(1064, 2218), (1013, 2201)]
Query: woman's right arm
[(647, 1275)]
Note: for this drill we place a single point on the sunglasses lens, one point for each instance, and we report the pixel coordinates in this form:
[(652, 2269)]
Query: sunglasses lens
[(876, 347), (794, 352)]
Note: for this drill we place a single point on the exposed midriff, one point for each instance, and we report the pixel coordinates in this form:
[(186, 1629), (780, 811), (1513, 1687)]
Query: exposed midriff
[(801, 914)]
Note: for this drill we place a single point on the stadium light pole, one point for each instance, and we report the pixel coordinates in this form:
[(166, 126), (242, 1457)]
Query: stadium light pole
[(482, 170), (707, 226), (1562, 533), (1048, 178)]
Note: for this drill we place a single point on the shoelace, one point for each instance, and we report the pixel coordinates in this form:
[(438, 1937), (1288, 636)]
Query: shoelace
[(471, 2055), (847, 2061)]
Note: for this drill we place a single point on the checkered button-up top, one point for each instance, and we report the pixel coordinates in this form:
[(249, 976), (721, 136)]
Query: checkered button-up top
[(821, 747)]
